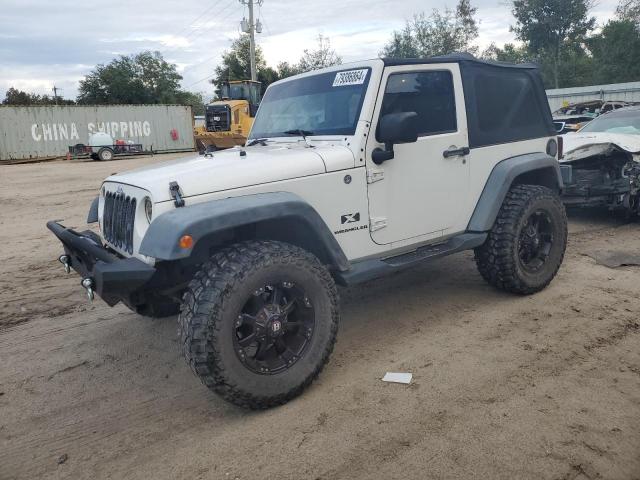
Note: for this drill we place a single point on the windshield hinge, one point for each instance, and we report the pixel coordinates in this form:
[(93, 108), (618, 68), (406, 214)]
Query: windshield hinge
[(377, 223), (176, 194), (375, 175)]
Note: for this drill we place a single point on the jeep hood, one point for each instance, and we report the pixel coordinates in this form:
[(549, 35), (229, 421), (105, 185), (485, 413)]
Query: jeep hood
[(228, 169), (582, 145)]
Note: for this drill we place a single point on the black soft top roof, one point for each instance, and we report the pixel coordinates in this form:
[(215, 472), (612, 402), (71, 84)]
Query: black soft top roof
[(455, 58), (505, 102)]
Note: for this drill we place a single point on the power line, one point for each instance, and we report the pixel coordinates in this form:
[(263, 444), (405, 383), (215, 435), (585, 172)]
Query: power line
[(201, 80), (198, 29), (199, 63), (196, 19), (249, 28), (264, 20)]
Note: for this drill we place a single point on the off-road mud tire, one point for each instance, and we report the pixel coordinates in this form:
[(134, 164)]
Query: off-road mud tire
[(211, 305), (497, 259)]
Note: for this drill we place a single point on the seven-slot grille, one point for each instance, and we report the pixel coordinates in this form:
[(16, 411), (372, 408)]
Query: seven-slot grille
[(118, 220)]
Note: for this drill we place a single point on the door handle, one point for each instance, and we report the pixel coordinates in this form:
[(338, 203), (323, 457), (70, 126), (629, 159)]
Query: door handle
[(456, 152)]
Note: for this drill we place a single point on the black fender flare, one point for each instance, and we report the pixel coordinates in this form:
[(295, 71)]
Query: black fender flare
[(533, 168), (298, 223), (92, 217)]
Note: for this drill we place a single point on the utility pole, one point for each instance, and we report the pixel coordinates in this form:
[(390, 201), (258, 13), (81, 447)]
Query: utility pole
[(55, 94), (251, 27)]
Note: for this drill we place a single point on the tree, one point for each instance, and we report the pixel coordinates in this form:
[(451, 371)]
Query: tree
[(616, 52), (508, 53), (322, 57), (551, 29), (18, 97), (236, 64), (286, 69), (629, 10), (440, 33), (575, 64), (145, 78), (13, 96), (190, 98)]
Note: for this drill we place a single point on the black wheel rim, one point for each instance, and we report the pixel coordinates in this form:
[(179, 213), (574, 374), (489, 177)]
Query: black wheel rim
[(274, 328), (535, 241)]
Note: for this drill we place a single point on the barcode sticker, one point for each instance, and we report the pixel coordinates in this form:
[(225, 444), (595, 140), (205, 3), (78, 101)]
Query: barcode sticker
[(350, 77)]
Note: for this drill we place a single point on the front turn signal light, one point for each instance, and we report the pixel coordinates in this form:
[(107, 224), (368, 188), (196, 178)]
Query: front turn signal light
[(186, 241)]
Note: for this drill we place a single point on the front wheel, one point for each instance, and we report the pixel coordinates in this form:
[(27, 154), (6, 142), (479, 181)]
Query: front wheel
[(258, 322), (526, 245)]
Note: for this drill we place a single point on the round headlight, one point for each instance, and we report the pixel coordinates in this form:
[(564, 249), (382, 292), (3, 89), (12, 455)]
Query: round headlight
[(148, 208)]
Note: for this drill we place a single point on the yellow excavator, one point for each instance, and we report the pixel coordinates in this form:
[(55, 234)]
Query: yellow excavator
[(227, 121)]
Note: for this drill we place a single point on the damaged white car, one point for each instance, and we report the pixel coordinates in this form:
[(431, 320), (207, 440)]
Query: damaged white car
[(601, 162)]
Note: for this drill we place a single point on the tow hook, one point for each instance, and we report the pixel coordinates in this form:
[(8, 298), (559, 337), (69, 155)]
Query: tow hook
[(65, 260), (87, 284)]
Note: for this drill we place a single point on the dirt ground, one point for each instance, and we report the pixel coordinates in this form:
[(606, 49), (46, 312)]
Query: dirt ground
[(505, 387)]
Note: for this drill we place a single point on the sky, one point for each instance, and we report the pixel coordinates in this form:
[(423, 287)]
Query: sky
[(45, 43)]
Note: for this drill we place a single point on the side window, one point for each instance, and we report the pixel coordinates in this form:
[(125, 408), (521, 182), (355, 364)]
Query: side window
[(507, 108), (429, 94)]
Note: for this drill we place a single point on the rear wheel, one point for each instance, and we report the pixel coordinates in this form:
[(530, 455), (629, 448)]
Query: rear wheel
[(105, 154), (526, 245), (258, 322)]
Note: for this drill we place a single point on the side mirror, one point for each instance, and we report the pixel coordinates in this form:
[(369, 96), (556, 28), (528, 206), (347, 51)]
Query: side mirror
[(559, 126), (395, 128)]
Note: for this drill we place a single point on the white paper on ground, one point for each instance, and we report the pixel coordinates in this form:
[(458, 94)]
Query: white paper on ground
[(397, 377)]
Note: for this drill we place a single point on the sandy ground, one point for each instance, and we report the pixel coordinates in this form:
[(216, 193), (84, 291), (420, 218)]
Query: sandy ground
[(505, 387)]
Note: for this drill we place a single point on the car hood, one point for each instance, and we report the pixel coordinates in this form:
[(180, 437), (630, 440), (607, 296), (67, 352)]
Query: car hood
[(581, 145), (234, 168)]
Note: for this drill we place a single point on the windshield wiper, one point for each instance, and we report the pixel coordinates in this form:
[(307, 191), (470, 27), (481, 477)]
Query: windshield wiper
[(302, 133), (297, 131)]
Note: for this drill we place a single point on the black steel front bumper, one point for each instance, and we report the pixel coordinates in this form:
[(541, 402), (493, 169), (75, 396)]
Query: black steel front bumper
[(112, 277)]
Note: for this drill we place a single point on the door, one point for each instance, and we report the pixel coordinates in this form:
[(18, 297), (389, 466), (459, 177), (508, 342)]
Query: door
[(421, 192)]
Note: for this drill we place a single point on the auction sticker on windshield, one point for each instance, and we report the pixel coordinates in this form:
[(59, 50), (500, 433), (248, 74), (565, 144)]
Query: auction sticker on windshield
[(350, 77)]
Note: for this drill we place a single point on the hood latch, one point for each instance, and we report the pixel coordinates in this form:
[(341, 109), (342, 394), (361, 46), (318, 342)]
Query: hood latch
[(176, 194)]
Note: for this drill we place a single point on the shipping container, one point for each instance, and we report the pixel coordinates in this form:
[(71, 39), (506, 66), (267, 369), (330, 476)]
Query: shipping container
[(624, 92), (33, 132)]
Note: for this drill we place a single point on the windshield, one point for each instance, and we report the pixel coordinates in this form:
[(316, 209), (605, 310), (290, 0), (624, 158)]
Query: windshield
[(323, 104), (616, 122), (241, 91)]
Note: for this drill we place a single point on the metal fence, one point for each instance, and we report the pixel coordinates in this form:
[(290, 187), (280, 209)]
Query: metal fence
[(625, 92), (33, 132)]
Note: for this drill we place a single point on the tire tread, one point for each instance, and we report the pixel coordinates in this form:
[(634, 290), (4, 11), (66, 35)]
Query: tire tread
[(200, 314), (494, 258)]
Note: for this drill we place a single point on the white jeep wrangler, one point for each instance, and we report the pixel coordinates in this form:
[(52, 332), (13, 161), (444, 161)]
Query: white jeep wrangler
[(350, 173)]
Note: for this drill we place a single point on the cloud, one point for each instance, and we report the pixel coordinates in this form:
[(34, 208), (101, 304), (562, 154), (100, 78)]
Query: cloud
[(43, 43)]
